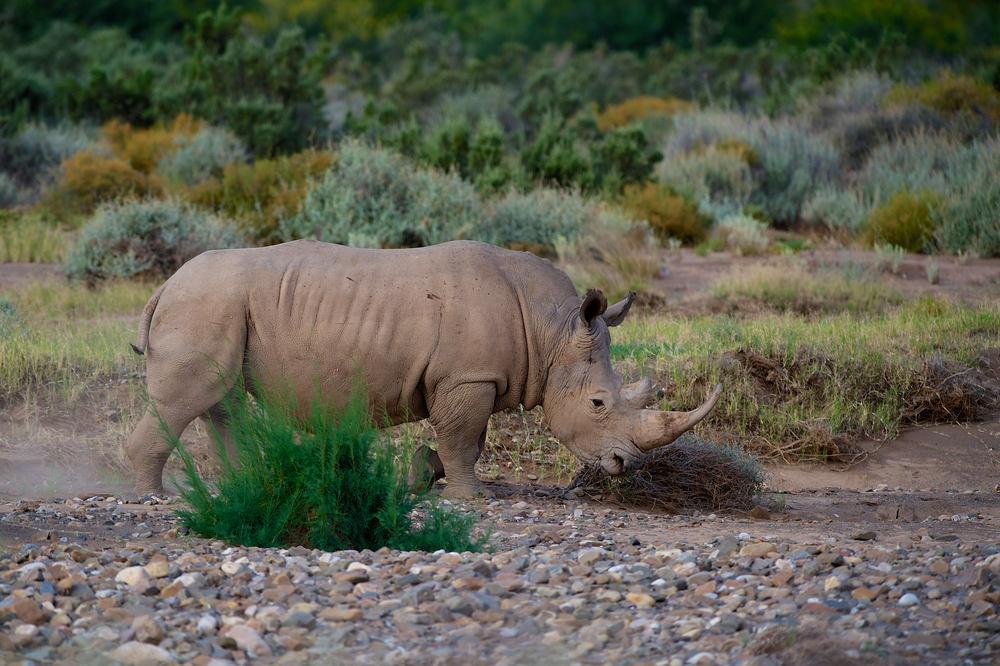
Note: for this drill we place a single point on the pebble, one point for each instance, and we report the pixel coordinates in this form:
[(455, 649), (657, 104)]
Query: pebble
[(572, 588)]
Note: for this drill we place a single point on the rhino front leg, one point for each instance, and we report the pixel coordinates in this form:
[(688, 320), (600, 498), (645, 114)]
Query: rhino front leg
[(460, 417)]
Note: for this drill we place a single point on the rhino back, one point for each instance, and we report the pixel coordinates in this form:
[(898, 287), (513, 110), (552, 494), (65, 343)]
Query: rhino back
[(410, 323)]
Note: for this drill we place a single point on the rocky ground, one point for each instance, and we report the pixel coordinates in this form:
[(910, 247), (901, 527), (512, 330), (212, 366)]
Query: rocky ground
[(570, 581)]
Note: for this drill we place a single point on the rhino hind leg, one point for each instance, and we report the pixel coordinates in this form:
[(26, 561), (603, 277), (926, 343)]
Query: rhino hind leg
[(148, 450), (426, 469), (215, 418)]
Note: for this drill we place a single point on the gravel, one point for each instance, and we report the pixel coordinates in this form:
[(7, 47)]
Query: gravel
[(571, 588)]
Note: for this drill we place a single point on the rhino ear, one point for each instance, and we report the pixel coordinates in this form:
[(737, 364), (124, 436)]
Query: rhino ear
[(594, 305), (615, 314)]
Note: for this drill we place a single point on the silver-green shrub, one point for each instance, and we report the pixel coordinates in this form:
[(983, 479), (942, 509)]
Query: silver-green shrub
[(788, 163), (202, 156), (539, 217), (30, 157), (146, 238), (969, 219), (837, 209), (8, 191), (711, 177), (377, 193)]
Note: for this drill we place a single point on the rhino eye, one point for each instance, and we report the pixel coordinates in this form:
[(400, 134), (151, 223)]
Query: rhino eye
[(597, 403)]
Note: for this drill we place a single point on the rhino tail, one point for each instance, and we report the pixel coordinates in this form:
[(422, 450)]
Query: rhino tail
[(145, 318)]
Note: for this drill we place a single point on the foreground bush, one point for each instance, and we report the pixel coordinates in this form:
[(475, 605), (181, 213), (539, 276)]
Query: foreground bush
[(146, 238), (321, 481), (195, 159)]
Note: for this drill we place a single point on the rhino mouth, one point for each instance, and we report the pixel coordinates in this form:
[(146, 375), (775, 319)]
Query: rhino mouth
[(617, 463)]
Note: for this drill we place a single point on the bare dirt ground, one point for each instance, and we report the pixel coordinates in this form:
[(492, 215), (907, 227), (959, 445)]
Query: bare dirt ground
[(936, 460)]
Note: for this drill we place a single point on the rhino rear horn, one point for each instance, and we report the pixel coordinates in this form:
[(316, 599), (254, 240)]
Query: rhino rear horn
[(658, 428)]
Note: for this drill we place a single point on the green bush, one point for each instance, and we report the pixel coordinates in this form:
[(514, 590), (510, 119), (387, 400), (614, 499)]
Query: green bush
[(486, 150), (744, 234), (271, 98), (145, 238), (623, 157), (668, 215), (555, 158), (906, 221), (321, 480), (203, 156), (378, 193), (447, 146), (709, 176)]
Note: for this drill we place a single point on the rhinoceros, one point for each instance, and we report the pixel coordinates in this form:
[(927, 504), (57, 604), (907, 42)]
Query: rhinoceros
[(452, 333)]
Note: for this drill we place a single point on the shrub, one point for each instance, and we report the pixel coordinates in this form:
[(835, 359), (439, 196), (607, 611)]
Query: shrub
[(8, 191), (638, 108), (623, 156), (447, 147), (377, 193), (788, 162), (270, 97), (906, 220), (950, 95), (709, 175), (535, 220), (261, 194), (144, 148), (840, 210), (668, 215), (31, 156), (744, 234), (145, 238), (612, 261), (196, 159), (90, 178), (554, 157), (969, 219), (320, 481), (486, 150)]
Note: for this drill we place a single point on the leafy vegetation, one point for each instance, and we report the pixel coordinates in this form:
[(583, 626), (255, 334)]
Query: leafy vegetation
[(320, 480)]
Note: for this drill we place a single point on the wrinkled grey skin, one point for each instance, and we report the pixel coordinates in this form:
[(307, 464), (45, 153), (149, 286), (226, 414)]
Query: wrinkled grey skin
[(452, 333)]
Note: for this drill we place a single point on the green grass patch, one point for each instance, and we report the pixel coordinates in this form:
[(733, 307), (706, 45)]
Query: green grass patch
[(323, 480), (789, 287), (28, 238), (60, 337), (795, 383)]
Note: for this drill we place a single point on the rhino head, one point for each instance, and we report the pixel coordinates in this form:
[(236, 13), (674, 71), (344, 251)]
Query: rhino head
[(583, 397)]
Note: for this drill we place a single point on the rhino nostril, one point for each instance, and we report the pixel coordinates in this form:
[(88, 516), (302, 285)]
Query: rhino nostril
[(619, 462)]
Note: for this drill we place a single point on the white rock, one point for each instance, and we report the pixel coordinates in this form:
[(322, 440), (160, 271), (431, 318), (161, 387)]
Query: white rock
[(232, 568), (249, 640), (358, 566), (132, 576), (909, 599), (26, 630), (702, 659), (207, 624), (136, 654), (190, 579)]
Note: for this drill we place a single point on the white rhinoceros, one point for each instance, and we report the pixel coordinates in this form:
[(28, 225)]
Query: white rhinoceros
[(452, 333)]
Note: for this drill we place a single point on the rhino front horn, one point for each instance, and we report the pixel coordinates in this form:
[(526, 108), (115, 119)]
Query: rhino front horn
[(658, 428)]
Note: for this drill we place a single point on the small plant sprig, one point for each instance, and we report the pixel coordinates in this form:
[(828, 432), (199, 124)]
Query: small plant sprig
[(933, 272), (889, 257)]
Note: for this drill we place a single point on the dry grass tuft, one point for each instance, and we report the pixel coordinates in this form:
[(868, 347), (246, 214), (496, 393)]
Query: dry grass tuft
[(689, 474)]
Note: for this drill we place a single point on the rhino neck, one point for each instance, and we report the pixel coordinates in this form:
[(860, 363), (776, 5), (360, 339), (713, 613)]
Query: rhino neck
[(548, 307)]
